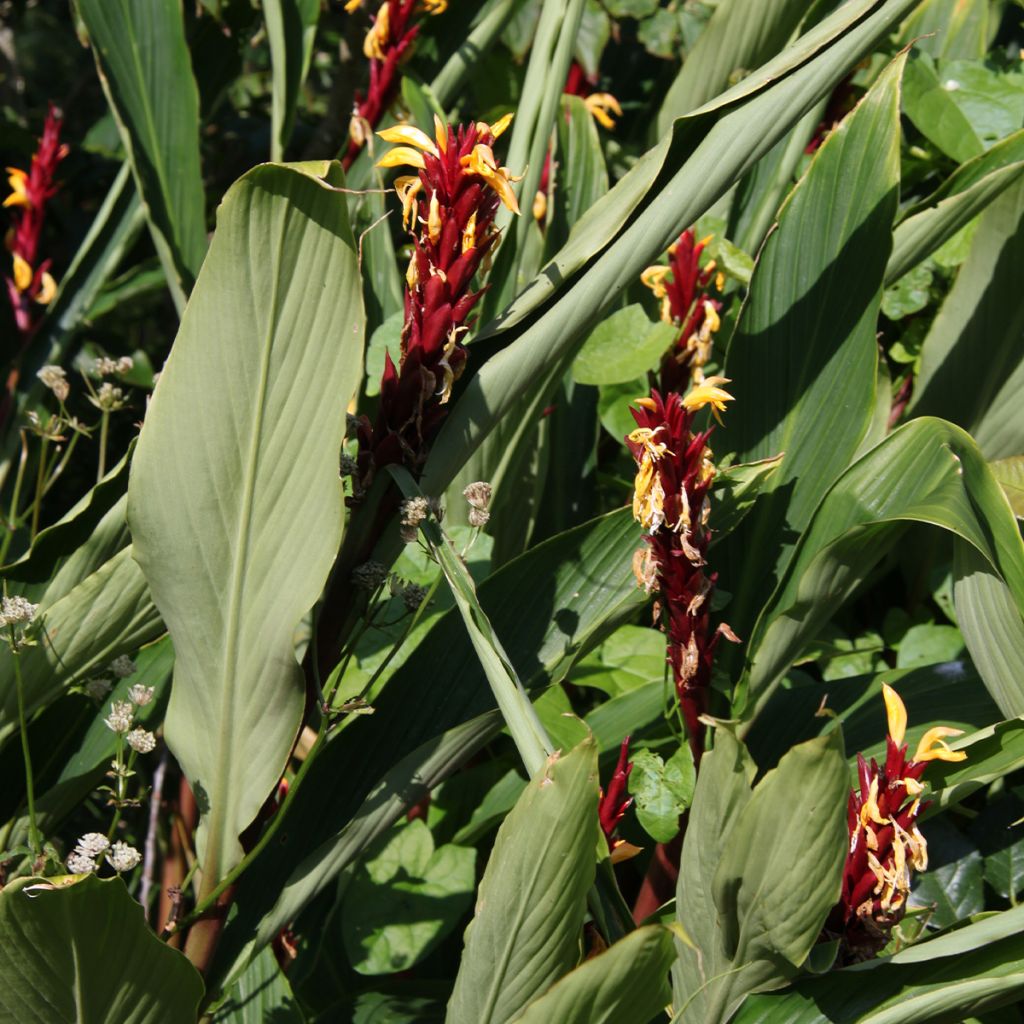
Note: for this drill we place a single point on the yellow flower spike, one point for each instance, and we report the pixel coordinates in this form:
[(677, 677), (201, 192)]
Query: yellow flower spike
[(377, 37), (599, 104), (434, 219), (482, 163), (933, 748), (17, 179), (47, 290), (709, 393), (409, 135), (402, 156), (896, 712), (469, 233), (407, 188), (22, 273), (499, 126)]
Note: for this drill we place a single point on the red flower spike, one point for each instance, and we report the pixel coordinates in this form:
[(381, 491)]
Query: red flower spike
[(886, 846), (30, 283), (614, 801)]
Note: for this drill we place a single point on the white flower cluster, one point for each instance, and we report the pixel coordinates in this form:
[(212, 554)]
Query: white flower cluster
[(108, 398), (106, 367), (122, 857), (54, 378), (141, 741), (140, 695), (16, 611), (92, 846), (120, 718)]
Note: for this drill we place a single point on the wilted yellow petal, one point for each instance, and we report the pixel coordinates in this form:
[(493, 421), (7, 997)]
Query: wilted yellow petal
[(654, 278), (377, 37), (22, 273), (410, 135), (481, 162), (933, 748), (469, 233), (601, 106), (402, 156), (500, 125), (896, 713), (19, 194), (47, 289), (406, 188), (434, 219)]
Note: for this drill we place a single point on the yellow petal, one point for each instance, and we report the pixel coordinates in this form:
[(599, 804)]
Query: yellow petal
[(500, 125), (709, 393), (469, 233), (402, 156), (406, 188), (441, 134), (481, 162), (654, 278), (435, 6), (353, 5), (896, 713), (599, 104), (540, 206), (933, 748), (22, 273), (434, 219), (47, 290), (19, 193), (377, 37), (409, 135)]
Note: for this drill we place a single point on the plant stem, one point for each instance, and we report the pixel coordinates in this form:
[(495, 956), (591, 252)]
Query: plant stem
[(33, 832), (104, 431), (12, 516), (40, 481)]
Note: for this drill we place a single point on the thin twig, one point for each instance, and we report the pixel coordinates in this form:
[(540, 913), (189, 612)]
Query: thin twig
[(149, 850)]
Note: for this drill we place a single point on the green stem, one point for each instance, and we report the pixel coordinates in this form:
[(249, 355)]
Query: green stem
[(33, 833), (61, 465), (12, 516), (104, 431), (40, 481)]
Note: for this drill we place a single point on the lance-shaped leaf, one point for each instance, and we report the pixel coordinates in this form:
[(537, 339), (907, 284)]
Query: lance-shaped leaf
[(530, 905), (79, 952), (625, 983), (636, 221), (983, 313), (291, 27), (144, 65), (927, 472), (235, 503), (260, 995), (803, 359)]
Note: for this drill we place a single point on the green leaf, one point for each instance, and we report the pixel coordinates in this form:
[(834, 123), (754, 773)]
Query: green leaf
[(983, 312), (663, 791), (928, 644), (629, 659), (291, 28), (741, 35), (997, 831), (83, 952), (935, 113), (908, 294), (1010, 474), (221, 434), (260, 995), (143, 63), (927, 225), (530, 906), (622, 348), (948, 28), (736, 490), (595, 31), (623, 984), (803, 360), (951, 889), (404, 899), (991, 99)]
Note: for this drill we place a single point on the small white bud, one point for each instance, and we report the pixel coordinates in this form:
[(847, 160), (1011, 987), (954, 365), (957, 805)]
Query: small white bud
[(80, 864), (92, 844), (140, 695), (120, 720), (122, 857), (141, 741)]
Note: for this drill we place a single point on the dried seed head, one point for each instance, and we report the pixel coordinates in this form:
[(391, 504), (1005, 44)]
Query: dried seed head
[(141, 741), (140, 695), (54, 378), (413, 512), (349, 466), (478, 517), (478, 495), (413, 596), (369, 575), (122, 857), (98, 688), (123, 667)]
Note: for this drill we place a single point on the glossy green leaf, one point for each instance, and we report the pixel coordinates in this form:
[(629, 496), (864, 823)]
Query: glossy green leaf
[(623, 985), (83, 952), (948, 28), (992, 753), (629, 659), (233, 592), (291, 28), (961, 197), (531, 902), (144, 64), (934, 112), (928, 471), (983, 312), (662, 791), (261, 995), (952, 887), (737, 488), (741, 35), (803, 359), (622, 348), (1010, 474)]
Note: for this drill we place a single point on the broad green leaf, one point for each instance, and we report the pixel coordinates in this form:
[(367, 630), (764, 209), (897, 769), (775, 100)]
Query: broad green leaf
[(952, 887), (736, 490), (595, 31), (663, 790), (999, 836), (723, 790), (1010, 474), (929, 644), (262, 994), (83, 952), (991, 97), (948, 28), (935, 113), (552, 604), (280, 294), (144, 65), (617, 238), (928, 471), (741, 35), (622, 348), (622, 985), (405, 897), (109, 613), (983, 312), (531, 902), (291, 28), (778, 875), (629, 659), (959, 199), (803, 359), (581, 177), (992, 753)]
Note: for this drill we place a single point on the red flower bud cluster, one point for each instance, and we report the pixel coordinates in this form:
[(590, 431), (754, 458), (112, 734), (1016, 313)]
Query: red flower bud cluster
[(674, 475), (614, 800), (388, 43), (450, 207), (886, 846), (683, 288), (30, 280)]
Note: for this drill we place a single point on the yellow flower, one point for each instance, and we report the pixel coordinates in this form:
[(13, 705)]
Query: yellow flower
[(654, 278), (599, 104), (22, 273), (933, 748), (17, 179), (482, 163), (407, 187), (434, 220), (377, 37), (896, 712), (469, 233), (709, 393), (435, 6), (47, 289), (540, 206), (499, 126), (648, 492), (353, 5)]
